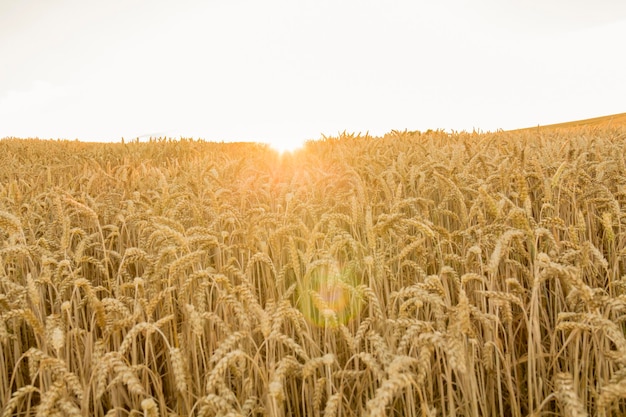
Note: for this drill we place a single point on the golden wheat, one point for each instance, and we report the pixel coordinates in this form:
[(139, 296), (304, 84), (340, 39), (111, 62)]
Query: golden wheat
[(414, 274)]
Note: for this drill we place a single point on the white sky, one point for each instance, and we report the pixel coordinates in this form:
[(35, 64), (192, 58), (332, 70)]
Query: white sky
[(290, 70)]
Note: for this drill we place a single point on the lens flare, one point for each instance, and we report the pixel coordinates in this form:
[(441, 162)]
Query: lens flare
[(328, 296)]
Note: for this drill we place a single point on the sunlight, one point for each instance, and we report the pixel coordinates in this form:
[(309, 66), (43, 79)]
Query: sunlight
[(286, 146)]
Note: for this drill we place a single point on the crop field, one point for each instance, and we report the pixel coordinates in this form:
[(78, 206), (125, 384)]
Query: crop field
[(415, 274)]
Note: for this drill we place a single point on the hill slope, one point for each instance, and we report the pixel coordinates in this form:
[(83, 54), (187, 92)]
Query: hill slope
[(603, 121)]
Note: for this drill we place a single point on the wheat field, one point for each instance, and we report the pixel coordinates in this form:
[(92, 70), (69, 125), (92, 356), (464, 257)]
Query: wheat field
[(415, 274)]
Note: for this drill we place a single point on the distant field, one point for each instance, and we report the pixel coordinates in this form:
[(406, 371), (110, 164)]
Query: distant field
[(409, 275), (614, 120)]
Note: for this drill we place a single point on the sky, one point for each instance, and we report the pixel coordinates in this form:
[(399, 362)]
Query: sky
[(285, 71)]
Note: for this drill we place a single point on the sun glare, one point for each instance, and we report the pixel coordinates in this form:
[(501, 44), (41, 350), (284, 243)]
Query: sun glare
[(286, 146)]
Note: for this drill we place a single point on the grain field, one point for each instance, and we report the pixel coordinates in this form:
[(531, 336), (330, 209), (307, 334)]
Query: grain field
[(415, 274)]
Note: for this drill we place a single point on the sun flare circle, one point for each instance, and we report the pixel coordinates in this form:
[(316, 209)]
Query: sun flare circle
[(328, 296)]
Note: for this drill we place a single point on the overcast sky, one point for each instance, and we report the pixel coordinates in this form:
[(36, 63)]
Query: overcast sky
[(290, 70)]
